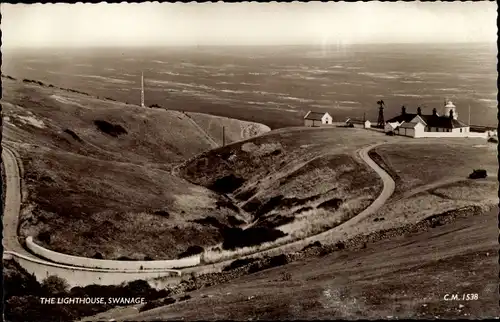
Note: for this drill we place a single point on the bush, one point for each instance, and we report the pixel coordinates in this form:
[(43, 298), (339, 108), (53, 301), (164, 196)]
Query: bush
[(226, 204), (333, 204), (110, 129), (98, 255), (157, 303), (233, 221), (44, 237), (226, 184), (73, 135), (278, 260), (493, 139), (285, 276), (184, 298), (340, 245), (55, 285), (253, 236), (239, 263), (315, 244), (162, 213), (192, 250)]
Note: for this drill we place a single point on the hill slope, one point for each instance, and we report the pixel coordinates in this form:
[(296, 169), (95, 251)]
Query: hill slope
[(98, 175)]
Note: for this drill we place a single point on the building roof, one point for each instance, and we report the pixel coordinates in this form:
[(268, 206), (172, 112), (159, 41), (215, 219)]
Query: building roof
[(409, 125), (315, 116), (431, 120)]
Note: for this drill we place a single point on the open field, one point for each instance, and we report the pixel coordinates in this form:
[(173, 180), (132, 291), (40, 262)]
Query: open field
[(432, 178), (379, 281), (98, 174)]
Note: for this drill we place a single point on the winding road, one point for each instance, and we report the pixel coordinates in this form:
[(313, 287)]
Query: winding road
[(13, 247)]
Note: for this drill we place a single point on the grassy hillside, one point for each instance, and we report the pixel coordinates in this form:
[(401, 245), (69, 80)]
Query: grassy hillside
[(433, 178), (300, 181), (98, 174), (376, 282)]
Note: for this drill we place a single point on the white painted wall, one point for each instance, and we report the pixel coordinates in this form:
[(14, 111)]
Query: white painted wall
[(76, 276), (452, 135), (419, 130), (109, 264), (326, 119)]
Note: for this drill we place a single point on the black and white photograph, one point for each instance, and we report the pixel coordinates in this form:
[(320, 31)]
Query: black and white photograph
[(249, 161)]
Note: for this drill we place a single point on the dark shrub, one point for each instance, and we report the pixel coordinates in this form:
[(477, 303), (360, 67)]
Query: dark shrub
[(162, 213), (239, 263), (155, 106), (278, 260), (252, 205), (315, 244), (210, 221), (340, 245), (227, 184), (192, 250), (331, 204), (478, 174), (493, 139), (148, 258), (269, 205), (124, 258), (276, 221), (98, 255), (226, 204), (157, 303), (55, 285), (44, 237), (110, 129), (391, 133), (237, 237), (184, 298), (233, 221), (246, 194)]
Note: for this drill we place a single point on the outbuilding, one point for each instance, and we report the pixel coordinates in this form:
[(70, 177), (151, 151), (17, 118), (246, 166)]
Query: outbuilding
[(317, 118)]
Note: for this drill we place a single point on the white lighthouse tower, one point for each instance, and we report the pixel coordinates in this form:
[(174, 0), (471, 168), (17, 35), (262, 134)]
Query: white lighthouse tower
[(450, 108), (142, 89)]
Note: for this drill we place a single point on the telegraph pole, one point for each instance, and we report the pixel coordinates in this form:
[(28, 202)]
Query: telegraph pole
[(142, 89), (469, 114), (223, 137)]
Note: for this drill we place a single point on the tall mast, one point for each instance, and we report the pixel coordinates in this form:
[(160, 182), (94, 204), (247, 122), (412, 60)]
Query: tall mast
[(142, 89), (469, 114)]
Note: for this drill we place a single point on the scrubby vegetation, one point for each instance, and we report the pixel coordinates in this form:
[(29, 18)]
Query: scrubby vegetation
[(192, 250), (239, 263), (73, 135), (120, 197), (110, 129), (22, 295), (238, 238)]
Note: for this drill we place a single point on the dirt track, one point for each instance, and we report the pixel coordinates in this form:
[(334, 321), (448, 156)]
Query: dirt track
[(403, 277), (12, 203)]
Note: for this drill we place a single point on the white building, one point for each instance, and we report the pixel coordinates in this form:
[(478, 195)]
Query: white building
[(434, 125), (367, 124), (317, 118)]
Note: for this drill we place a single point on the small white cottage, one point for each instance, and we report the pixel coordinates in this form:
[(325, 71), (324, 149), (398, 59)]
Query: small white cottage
[(317, 118), (367, 124)]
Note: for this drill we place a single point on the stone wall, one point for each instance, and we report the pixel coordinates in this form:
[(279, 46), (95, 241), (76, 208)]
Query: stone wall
[(109, 264)]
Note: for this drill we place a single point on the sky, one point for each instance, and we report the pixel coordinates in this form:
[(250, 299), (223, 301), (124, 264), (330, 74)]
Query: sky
[(191, 24)]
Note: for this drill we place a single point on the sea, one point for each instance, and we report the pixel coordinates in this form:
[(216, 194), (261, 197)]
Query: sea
[(277, 85)]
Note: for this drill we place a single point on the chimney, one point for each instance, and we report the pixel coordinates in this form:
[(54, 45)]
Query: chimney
[(403, 110), (419, 111), (434, 112), (451, 114)]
